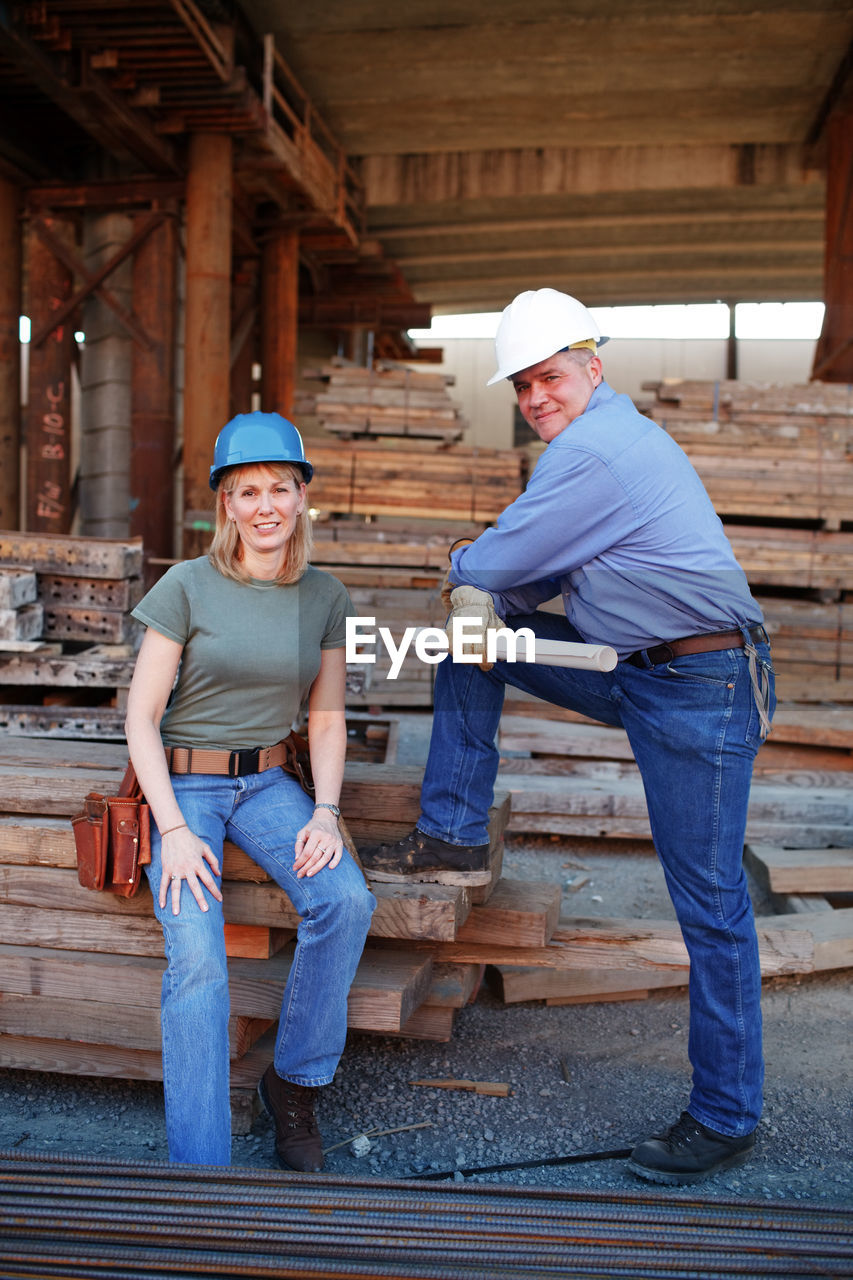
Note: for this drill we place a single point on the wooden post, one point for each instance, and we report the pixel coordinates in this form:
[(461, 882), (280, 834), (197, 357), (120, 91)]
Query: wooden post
[(244, 335), (152, 421), (10, 356), (833, 360), (49, 284), (279, 320), (208, 316)]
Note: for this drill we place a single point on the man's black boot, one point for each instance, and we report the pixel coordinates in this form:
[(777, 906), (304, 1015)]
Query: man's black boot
[(688, 1152), (419, 857), (298, 1143)]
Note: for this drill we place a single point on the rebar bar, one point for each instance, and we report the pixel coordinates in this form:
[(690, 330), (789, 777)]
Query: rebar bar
[(82, 1217)]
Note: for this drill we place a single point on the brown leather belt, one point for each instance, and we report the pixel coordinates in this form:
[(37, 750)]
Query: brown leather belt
[(227, 764), (708, 642)]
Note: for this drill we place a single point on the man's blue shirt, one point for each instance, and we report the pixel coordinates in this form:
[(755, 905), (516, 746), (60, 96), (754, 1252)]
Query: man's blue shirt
[(616, 520)]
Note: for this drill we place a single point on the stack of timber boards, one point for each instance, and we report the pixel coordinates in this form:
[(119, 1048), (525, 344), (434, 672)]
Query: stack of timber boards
[(781, 455), (386, 400), (73, 677), (405, 479), (571, 776), (80, 972), (780, 451), (86, 586)]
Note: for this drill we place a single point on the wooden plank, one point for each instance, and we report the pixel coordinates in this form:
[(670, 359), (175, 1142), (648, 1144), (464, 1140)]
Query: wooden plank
[(522, 913), (403, 910), (636, 944), (831, 933), (805, 870), (127, 935), (518, 984), (126, 1026), (388, 986), (80, 556), (430, 1022), (34, 1053)]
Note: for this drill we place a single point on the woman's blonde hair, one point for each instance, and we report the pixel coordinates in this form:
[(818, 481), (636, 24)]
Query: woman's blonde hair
[(225, 552)]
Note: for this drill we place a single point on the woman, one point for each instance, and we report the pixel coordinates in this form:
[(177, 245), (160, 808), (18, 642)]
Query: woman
[(236, 641)]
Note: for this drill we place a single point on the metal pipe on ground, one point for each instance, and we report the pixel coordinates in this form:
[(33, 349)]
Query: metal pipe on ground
[(66, 1216)]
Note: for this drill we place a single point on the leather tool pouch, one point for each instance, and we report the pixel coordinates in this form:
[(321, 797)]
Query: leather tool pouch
[(112, 835), (298, 761)]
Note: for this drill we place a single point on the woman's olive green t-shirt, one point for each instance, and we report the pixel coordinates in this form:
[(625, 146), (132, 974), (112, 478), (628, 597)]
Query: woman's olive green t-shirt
[(251, 651)]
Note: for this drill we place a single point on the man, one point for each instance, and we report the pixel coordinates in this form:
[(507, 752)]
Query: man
[(616, 521)]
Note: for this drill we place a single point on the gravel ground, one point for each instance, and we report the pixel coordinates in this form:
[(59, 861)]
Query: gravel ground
[(626, 1064)]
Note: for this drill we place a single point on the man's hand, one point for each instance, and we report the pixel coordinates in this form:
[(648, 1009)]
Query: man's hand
[(474, 604)]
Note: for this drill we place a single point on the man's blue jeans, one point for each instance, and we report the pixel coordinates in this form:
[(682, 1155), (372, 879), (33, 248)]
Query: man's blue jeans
[(694, 728), (262, 814)]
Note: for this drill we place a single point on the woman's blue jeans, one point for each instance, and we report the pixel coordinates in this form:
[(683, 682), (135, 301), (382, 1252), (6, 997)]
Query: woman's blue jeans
[(694, 728), (262, 814)]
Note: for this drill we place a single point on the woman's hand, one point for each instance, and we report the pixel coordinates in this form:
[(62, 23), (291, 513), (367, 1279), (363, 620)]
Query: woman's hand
[(184, 856), (318, 844)]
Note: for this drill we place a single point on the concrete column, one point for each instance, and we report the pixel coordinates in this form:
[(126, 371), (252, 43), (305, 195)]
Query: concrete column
[(105, 398), (10, 356), (208, 313), (279, 320)]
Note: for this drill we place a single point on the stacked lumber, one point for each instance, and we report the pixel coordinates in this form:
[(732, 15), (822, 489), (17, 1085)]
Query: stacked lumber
[(81, 971), (456, 483), (67, 671), (86, 586), (570, 776), (387, 553), (776, 451), (385, 400)]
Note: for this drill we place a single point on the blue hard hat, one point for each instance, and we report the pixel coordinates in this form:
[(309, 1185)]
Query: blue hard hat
[(258, 437)]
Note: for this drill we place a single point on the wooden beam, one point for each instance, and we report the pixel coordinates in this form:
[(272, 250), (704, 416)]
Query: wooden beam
[(208, 336), (279, 319), (152, 415), (833, 360)]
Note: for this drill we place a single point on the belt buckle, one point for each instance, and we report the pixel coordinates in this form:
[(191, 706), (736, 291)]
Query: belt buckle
[(242, 762)]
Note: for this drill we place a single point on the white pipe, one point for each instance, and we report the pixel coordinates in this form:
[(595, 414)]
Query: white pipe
[(561, 653)]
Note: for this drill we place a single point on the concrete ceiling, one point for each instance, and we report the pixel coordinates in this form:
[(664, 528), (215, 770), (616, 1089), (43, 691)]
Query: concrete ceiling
[(626, 151)]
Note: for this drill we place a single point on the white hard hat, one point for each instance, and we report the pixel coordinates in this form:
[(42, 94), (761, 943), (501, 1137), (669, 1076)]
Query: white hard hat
[(537, 324)]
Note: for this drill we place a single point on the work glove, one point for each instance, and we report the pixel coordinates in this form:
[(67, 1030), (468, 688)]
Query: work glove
[(471, 602)]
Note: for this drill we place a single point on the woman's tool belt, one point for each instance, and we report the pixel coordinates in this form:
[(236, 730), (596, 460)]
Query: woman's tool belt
[(291, 754), (112, 835)]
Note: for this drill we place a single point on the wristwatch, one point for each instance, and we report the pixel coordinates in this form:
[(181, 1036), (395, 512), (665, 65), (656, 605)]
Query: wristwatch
[(322, 804)]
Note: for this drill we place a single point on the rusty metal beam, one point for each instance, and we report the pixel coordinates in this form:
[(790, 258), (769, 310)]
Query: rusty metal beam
[(152, 421), (93, 281), (10, 354), (48, 495)]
